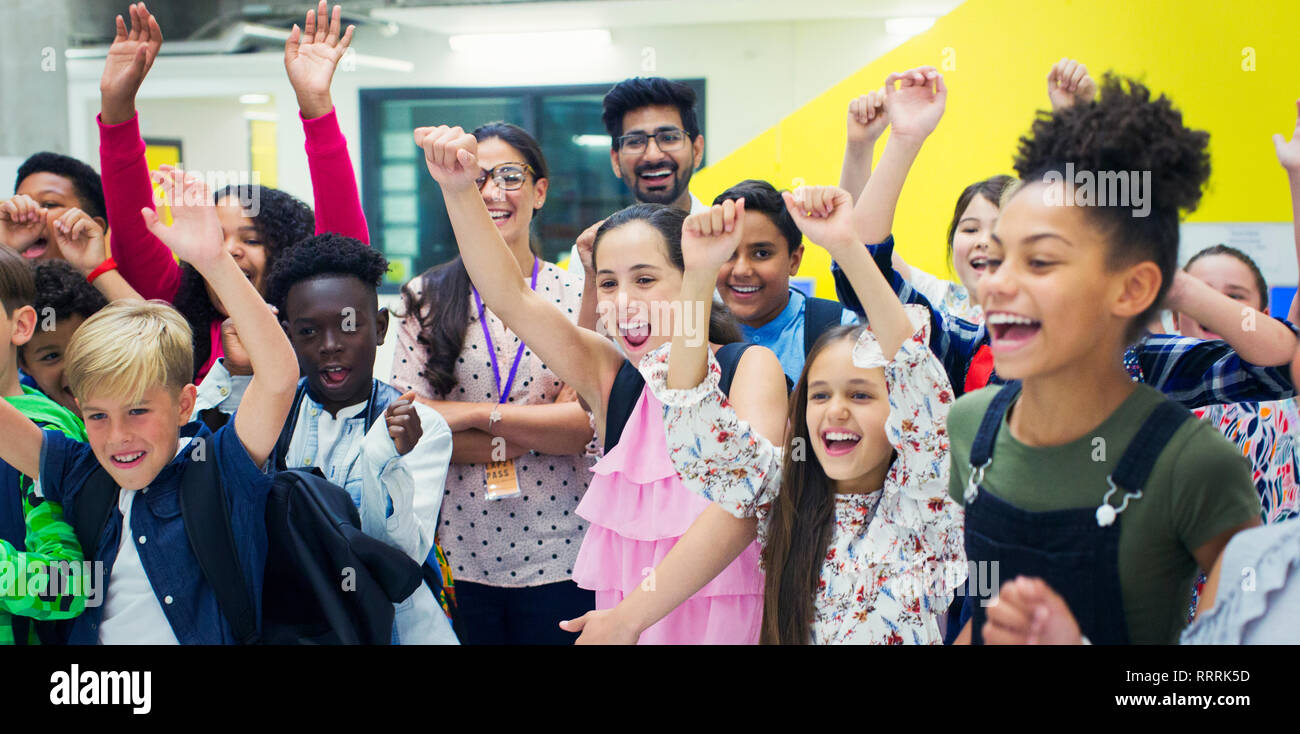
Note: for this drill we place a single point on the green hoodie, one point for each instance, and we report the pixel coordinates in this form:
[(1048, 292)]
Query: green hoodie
[(24, 575)]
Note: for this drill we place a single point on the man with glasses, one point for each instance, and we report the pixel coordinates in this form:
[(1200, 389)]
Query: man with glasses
[(655, 145)]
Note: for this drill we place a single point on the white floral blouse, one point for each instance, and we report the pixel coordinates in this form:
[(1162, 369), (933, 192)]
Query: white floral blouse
[(896, 555)]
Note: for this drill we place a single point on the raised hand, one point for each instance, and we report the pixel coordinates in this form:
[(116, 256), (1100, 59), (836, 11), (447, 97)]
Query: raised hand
[(195, 234), (451, 155), (403, 423), (1068, 83), (312, 54), (22, 221), (586, 245), (1288, 153), (825, 215), (710, 238), (867, 117), (916, 106), (129, 60), (80, 239)]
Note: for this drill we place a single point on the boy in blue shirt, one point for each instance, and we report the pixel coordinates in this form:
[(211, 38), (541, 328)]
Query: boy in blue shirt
[(129, 367), (755, 283)]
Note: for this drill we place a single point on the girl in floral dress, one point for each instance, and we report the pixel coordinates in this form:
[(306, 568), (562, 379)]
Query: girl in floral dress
[(860, 541), (635, 504)]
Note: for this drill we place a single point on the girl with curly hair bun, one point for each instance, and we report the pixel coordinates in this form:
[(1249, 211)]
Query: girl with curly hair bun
[(1072, 471)]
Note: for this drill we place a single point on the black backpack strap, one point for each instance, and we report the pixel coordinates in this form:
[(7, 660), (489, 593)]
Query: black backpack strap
[(623, 395), (1139, 458), (728, 357), (982, 449), (281, 449), (90, 512), (819, 315), (206, 514)]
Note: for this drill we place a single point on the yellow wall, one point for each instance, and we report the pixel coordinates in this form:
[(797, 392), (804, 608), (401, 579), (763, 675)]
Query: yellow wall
[(995, 55)]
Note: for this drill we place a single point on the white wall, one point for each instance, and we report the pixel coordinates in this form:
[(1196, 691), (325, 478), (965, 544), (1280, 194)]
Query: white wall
[(756, 73)]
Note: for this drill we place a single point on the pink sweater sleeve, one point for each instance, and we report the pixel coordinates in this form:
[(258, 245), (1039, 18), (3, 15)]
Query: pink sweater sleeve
[(143, 259), (333, 182)]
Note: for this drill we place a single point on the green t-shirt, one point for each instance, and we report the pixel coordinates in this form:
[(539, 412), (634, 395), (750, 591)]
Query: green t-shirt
[(1199, 488)]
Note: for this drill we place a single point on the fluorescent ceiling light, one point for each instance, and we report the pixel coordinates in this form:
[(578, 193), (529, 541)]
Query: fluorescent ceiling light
[(493, 43), (592, 141), (907, 26), (254, 98)]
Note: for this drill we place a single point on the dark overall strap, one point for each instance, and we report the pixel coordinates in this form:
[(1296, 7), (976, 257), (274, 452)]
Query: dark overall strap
[(728, 357), (623, 395), (1139, 458), (281, 449), (206, 514), (92, 509), (819, 314), (987, 435), (381, 394)]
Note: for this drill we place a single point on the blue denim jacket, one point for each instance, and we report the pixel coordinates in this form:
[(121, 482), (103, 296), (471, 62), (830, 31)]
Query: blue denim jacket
[(185, 596)]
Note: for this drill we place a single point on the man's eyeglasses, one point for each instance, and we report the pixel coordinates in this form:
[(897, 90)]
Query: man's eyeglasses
[(508, 176), (668, 140)]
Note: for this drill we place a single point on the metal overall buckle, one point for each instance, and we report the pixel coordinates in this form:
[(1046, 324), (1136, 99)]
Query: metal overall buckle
[(973, 483)]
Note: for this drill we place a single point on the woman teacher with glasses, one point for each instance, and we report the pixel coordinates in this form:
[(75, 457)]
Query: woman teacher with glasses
[(520, 439)]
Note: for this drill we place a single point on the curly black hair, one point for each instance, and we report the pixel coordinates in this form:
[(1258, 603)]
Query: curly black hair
[(324, 254), (1126, 130), (281, 220), (61, 287), (89, 187), (637, 92)]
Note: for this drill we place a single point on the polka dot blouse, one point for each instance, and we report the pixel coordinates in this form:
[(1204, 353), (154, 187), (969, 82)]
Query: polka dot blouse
[(526, 540)]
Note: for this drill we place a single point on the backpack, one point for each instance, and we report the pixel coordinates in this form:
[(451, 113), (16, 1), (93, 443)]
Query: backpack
[(819, 315), (436, 571), (626, 390), (314, 546)]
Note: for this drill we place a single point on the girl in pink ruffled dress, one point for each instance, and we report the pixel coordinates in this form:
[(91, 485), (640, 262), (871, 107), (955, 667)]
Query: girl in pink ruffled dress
[(636, 505)]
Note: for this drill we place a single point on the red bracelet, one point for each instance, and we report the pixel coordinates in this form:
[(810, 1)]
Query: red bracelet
[(108, 264)]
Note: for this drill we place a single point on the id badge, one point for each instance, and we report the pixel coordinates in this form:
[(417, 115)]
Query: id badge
[(501, 480)]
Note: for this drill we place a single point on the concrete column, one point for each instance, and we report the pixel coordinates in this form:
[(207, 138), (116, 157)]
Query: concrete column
[(33, 78)]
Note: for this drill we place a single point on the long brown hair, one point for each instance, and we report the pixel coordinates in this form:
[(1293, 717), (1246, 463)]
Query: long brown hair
[(803, 517), (442, 307)]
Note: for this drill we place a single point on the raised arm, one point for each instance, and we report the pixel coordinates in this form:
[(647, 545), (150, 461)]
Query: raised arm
[(142, 259), (311, 55), (195, 236), (825, 215), (717, 536), (1256, 337), (580, 357), (914, 111), (867, 121), (1288, 154)]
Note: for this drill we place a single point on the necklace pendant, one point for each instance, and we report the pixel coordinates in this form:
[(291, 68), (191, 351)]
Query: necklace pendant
[(494, 416)]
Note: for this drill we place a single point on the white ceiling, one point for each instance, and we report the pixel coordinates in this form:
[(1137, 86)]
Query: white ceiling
[(541, 16)]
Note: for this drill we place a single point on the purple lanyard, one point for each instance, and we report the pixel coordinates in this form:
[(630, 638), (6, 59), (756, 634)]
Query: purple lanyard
[(502, 394)]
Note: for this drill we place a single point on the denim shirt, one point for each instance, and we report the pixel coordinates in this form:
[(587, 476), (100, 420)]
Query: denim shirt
[(185, 596)]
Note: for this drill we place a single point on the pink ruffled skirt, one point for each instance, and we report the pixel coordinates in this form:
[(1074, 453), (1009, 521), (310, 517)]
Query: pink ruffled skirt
[(637, 509)]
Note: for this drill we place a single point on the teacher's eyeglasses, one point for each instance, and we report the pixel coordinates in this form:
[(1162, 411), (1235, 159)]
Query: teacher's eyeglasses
[(507, 176)]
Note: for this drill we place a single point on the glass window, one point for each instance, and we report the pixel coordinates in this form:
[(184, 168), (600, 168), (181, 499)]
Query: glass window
[(407, 217)]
